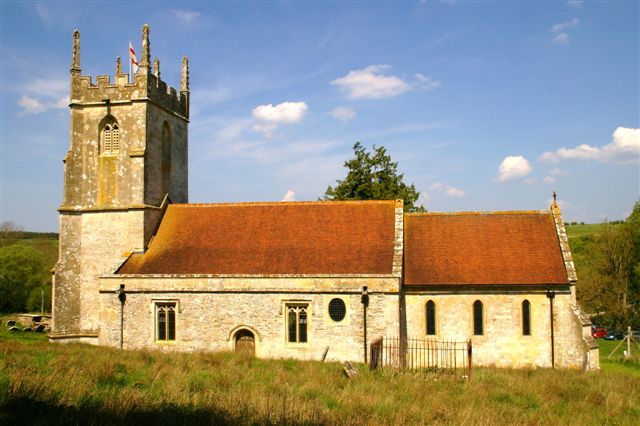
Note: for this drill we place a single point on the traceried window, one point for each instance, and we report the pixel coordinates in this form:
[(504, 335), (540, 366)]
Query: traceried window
[(110, 138), (297, 316), (478, 318), (526, 318), (431, 318), (166, 321), (337, 309)]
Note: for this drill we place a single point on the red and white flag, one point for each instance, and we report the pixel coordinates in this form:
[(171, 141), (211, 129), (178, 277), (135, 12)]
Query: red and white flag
[(132, 57)]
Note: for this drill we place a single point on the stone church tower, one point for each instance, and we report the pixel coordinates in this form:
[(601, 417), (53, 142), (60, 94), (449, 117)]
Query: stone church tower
[(127, 158)]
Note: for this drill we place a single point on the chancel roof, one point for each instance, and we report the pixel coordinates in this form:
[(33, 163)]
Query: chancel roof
[(309, 238), (482, 248)]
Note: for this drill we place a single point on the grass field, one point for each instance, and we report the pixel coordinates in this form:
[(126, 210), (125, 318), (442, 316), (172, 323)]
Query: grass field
[(44, 383)]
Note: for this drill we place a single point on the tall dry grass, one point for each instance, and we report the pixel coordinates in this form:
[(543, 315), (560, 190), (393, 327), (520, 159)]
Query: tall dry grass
[(61, 384)]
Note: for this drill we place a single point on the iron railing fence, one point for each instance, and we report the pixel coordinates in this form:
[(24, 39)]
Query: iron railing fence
[(421, 353)]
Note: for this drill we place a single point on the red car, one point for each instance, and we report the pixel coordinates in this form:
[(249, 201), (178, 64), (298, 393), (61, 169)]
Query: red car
[(598, 332)]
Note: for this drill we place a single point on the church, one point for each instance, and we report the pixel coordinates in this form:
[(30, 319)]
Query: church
[(140, 267)]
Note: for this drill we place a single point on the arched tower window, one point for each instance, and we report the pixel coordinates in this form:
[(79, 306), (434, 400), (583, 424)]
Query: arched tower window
[(478, 318), (431, 318), (526, 318), (110, 136)]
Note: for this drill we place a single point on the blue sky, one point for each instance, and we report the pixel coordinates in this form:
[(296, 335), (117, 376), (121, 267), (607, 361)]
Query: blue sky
[(485, 105)]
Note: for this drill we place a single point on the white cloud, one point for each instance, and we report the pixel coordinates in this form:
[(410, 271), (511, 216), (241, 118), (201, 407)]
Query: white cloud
[(265, 128), (549, 180), (514, 167), (42, 95), (289, 196), (343, 113), (574, 3), (623, 149), (371, 83), (557, 171), (44, 13), (560, 29), (424, 82), (186, 16), (449, 191), (32, 105), (286, 112), (454, 192), (564, 26), (271, 115), (561, 38)]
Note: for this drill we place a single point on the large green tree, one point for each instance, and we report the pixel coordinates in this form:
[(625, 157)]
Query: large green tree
[(610, 278), (373, 176), (21, 271)]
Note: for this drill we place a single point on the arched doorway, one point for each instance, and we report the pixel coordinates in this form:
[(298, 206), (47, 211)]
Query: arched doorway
[(245, 342)]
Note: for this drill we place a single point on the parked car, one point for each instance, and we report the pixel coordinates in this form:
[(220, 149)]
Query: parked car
[(614, 335), (598, 332)]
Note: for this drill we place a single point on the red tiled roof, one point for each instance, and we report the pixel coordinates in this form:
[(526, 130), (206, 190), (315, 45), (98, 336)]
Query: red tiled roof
[(482, 248), (271, 238)]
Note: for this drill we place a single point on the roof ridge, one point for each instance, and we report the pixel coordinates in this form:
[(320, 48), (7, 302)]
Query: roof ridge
[(282, 203), (499, 212)]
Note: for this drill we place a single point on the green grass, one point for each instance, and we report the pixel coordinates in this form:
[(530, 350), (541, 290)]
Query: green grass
[(617, 362), (61, 384)]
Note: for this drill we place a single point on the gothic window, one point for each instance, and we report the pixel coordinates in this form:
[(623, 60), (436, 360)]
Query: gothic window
[(166, 321), (337, 309), (431, 318), (478, 318), (297, 322), (526, 318), (110, 137)]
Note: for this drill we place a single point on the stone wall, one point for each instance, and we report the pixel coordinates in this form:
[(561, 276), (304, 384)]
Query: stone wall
[(211, 310), (90, 244), (503, 343)]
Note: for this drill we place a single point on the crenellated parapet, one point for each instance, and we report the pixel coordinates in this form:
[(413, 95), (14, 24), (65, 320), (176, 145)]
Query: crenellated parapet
[(145, 85)]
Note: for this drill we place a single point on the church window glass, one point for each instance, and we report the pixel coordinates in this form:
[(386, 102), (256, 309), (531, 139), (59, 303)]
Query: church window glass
[(526, 318), (478, 318), (165, 321), (337, 309), (431, 318), (297, 323)]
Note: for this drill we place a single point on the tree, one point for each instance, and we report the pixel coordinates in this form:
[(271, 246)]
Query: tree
[(9, 233), (21, 270), (610, 281), (373, 176)]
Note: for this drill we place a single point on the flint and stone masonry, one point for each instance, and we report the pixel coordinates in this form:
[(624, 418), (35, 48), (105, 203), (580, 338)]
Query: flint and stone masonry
[(124, 208)]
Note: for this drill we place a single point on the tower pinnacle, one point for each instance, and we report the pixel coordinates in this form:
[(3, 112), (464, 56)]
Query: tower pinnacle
[(145, 63), (75, 58), (184, 82)]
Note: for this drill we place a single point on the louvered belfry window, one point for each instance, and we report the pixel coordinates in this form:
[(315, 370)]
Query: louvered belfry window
[(110, 143)]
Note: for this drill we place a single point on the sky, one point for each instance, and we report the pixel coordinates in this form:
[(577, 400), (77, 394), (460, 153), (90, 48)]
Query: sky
[(485, 105)]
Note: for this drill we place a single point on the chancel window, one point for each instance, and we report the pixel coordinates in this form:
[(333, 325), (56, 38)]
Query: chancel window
[(431, 318), (110, 143), (526, 318), (478, 318), (297, 317), (166, 321)]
